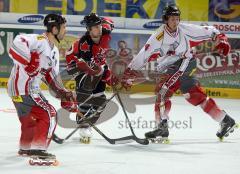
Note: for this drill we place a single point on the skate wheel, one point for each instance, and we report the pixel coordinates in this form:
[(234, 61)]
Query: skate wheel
[(43, 163), (221, 139), (152, 140), (166, 141), (237, 125), (46, 163), (31, 162), (85, 140), (55, 163), (160, 141), (226, 135)]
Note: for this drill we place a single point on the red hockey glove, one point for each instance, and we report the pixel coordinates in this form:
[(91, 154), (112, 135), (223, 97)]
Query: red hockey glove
[(110, 79), (68, 102), (32, 68), (128, 78), (127, 83), (222, 44), (107, 23)]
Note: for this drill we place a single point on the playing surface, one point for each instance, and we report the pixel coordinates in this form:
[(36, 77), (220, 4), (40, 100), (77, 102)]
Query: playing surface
[(194, 148)]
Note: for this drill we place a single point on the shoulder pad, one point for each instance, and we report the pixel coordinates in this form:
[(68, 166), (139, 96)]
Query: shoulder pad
[(40, 37), (160, 36)]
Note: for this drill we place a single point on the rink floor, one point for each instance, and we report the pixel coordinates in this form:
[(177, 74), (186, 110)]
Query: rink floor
[(194, 148)]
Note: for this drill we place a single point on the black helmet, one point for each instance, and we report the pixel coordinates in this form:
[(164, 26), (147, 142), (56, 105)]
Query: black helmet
[(91, 20), (52, 20), (170, 10)]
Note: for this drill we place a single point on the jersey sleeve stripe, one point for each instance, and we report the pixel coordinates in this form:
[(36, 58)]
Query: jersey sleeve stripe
[(16, 81), (199, 37), (27, 85), (18, 57)]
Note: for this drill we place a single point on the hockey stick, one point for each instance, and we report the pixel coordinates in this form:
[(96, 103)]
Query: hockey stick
[(122, 140), (58, 140), (138, 140)]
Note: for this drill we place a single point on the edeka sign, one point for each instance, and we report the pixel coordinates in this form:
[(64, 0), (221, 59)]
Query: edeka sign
[(119, 8), (146, 9)]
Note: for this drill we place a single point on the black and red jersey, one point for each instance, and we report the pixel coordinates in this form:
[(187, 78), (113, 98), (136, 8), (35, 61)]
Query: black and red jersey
[(86, 50)]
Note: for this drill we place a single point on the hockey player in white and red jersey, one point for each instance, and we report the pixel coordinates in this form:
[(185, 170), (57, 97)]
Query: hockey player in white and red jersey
[(36, 59), (171, 46)]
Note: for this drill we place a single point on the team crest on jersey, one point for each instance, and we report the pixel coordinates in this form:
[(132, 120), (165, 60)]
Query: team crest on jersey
[(160, 36), (41, 37), (84, 46)]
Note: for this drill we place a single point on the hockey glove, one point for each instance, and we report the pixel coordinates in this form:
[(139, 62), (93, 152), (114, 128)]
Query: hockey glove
[(107, 23), (110, 79), (32, 68), (223, 45), (128, 78), (68, 101)]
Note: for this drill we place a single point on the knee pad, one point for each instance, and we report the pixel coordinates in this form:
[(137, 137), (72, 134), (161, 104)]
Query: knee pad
[(195, 95), (211, 108), (208, 105)]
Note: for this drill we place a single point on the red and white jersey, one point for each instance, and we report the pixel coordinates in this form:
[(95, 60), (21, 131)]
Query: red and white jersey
[(20, 83), (168, 47)]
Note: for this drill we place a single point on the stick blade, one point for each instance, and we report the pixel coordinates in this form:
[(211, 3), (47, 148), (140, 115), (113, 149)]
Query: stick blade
[(124, 140), (57, 140), (141, 141)]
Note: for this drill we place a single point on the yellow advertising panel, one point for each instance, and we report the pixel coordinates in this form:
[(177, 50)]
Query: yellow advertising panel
[(149, 9), (193, 10), (23, 6)]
